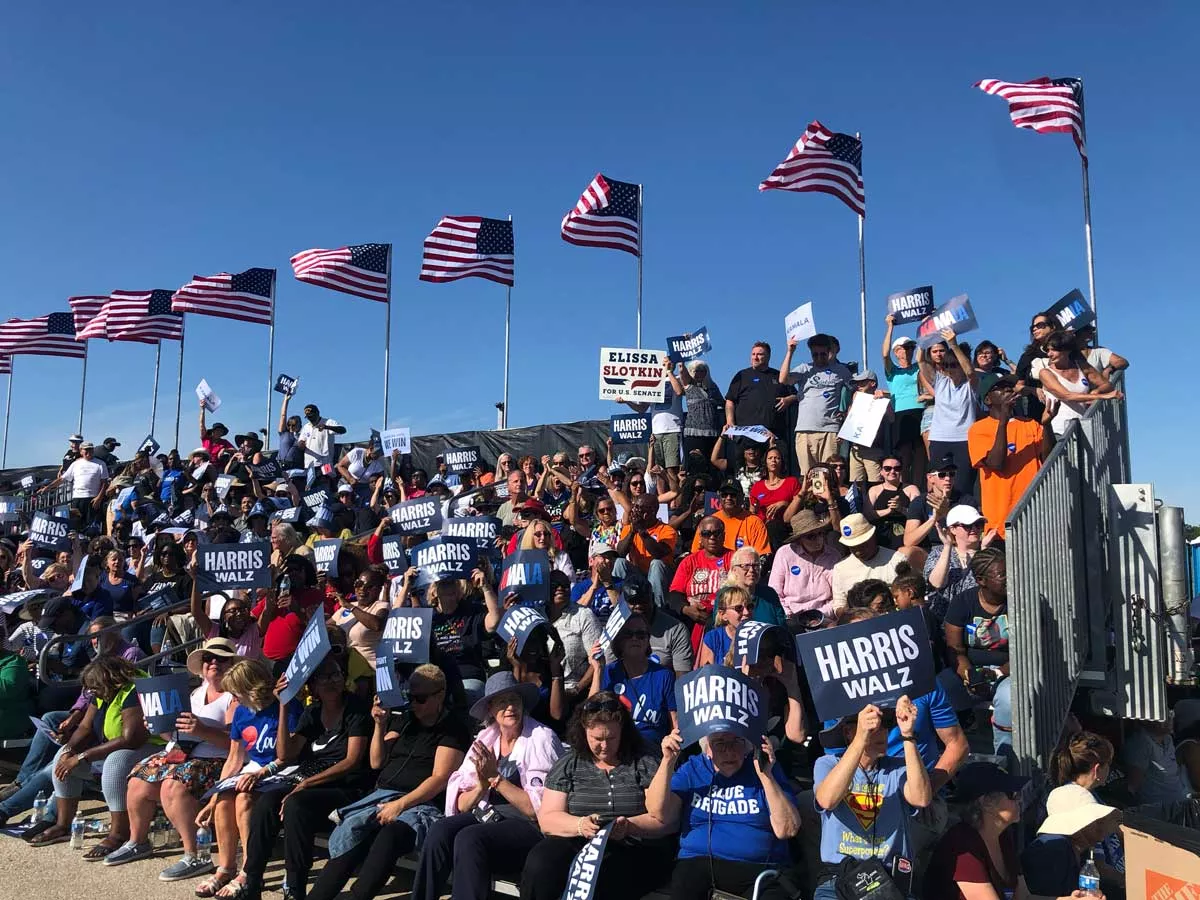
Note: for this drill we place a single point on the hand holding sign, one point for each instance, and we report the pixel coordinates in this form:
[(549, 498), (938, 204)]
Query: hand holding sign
[(286, 385), (798, 324), (314, 646), (716, 699), (208, 398), (162, 700)]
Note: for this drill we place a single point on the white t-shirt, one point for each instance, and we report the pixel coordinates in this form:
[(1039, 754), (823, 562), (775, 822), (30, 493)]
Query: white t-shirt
[(354, 462), (86, 476), (318, 442), (667, 417), (1099, 358)]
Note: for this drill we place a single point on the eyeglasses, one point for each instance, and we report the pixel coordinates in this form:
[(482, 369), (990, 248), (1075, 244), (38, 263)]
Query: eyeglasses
[(605, 509), (726, 746), (974, 526), (739, 609), (745, 567), (421, 698), (639, 634), (211, 659), (710, 532), (602, 705), (889, 468)]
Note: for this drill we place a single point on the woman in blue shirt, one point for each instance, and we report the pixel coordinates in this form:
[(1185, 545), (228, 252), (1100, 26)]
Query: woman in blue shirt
[(735, 813), (645, 687)]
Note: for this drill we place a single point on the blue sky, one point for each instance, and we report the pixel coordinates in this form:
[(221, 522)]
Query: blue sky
[(145, 143)]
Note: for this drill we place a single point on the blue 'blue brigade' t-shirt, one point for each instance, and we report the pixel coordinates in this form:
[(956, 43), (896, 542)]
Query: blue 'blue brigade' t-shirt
[(650, 698), (735, 808), (257, 731), (872, 820), (934, 711)]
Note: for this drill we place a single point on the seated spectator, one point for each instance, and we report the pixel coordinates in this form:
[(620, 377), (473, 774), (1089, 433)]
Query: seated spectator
[(698, 577), (168, 569), (503, 779), (234, 622), (990, 366), (600, 590), (670, 641), (1008, 451), (871, 594), (734, 605), (1071, 384), (577, 629), (540, 536), (980, 852), (802, 571), (602, 779), (745, 570), (285, 610), (908, 590), (735, 812), (822, 493), (886, 503), (540, 663), (178, 778), (770, 497), (647, 545), (646, 686), (866, 797), (948, 566), (775, 670), (16, 696), (741, 528), (929, 509), (362, 611), (1086, 759), (1075, 822), (866, 559), (285, 540), (416, 751), (1152, 771)]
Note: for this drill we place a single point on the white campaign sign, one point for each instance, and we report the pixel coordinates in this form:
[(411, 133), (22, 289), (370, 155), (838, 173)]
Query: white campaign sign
[(864, 418), (799, 323), (631, 374), (211, 401), (395, 439)]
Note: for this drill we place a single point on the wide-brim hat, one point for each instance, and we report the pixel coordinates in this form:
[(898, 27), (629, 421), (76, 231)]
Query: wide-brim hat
[(856, 529), (217, 646), (200, 451), (806, 521), (1072, 808), (251, 436), (505, 683)]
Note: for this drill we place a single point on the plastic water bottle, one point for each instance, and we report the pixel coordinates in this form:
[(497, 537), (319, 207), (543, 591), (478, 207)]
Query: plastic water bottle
[(1089, 877), (78, 827), (41, 808), (203, 845)]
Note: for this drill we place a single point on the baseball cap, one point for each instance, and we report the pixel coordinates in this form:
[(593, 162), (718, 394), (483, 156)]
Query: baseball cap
[(901, 341), (601, 548), (963, 514), (53, 608), (978, 779), (345, 488), (111, 441), (865, 375), (75, 439)]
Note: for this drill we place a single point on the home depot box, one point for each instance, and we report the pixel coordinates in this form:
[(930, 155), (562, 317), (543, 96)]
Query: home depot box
[(1162, 862)]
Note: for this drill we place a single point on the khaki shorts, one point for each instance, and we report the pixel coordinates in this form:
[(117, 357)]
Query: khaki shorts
[(864, 469), (666, 450), (814, 447)]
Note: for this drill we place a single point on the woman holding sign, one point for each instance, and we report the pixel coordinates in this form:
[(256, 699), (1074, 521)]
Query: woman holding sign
[(954, 383)]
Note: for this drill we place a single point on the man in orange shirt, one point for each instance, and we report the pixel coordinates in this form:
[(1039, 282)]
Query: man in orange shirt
[(1008, 451), (742, 528), (648, 545)]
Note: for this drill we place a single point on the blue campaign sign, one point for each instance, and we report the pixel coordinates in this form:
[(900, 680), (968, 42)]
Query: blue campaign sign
[(162, 700), (417, 516), (720, 699), (314, 500), (407, 632), (50, 531), (461, 459), (630, 428), (220, 567), (527, 573), (584, 874), (481, 530), (266, 471), (876, 661), (160, 599), (289, 516), (394, 556), (955, 314), (613, 624), (313, 647), (519, 622), (286, 384), (752, 638), (712, 502), (1072, 311), (686, 347), (442, 558), (390, 686), (912, 305), (149, 445), (325, 556)]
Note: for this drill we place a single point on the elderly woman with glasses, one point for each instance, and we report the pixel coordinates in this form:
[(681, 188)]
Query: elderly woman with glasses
[(746, 570), (601, 780), (492, 800), (948, 566)]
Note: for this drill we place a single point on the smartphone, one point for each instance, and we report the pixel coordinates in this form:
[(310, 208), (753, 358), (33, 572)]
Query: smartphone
[(764, 761), (818, 480)]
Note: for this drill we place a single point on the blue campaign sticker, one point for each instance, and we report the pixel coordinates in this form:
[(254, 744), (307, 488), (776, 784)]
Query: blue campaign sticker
[(795, 570), (847, 530), (1012, 448)]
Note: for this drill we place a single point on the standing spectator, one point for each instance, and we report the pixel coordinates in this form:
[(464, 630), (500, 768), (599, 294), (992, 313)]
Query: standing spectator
[(1008, 450), (820, 385), (865, 460), (316, 439), (866, 560), (802, 571), (705, 410), (770, 497), (290, 456), (666, 424), (1103, 360), (215, 439), (752, 469), (739, 526), (953, 379), (755, 397), (1033, 358), (886, 503), (1070, 382), (104, 453), (89, 480), (900, 373), (72, 453), (1152, 771)]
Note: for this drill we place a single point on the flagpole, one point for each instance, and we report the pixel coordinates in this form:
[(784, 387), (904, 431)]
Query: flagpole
[(82, 389), (1087, 213), (179, 387), (387, 337), (507, 317), (271, 365), (154, 400), (12, 366), (639, 296), (862, 283)]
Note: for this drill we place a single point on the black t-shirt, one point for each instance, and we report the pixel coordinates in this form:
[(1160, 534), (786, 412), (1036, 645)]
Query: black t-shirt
[(921, 512), (181, 583), (985, 634), (328, 746), (754, 392), (461, 634), (410, 760)]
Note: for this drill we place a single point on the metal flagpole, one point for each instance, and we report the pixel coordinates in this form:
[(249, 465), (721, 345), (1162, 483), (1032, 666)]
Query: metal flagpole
[(507, 317), (1087, 214), (154, 401), (179, 387), (82, 389), (12, 366), (387, 337), (639, 305), (862, 284), (271, 365)]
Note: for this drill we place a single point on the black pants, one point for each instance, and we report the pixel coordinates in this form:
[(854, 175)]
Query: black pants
[(908, 446), (627, 871), (699, 442), (303, 816), (474, 852), (83, 506), (377, 859), (695, 876)]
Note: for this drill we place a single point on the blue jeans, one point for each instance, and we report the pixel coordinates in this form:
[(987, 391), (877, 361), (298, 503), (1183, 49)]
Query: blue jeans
[(41, 781), (659, 577), (825, 891), (42, 750), (1002, 716)]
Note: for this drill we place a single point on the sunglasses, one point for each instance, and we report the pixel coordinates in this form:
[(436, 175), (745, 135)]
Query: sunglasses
[(640, 634), (889, 468), (602, 705), (1037, 325), (209, 659), (712, 533), (739, 609), (946, 473), (974, 526), (421, 698)]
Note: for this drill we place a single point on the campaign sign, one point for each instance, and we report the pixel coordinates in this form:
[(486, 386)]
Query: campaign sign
[(220, 567), (584, 874), (955, 314), (158, 600), (1072, 311), (316, 499), (613, 625), (417, 516), (712, 502), (162, 699), (209, 397), (222, 486), (148, 445), (759, 433), (395, 439), (527, 573), (50, 532), (286, 384), (10, 509), (799, 324), (289, 516), (406, 634), (10, 603), (876, 661), (748, 642), (518, 622), (687, 347), (631, 428), (391, 688), (717, 698), (325, 556), (480, 530), (443, 558), (631, 374), (39, 564), (864, 418), (313, 647), (461, 459), (912, 305), (394, 556), (267, 470)]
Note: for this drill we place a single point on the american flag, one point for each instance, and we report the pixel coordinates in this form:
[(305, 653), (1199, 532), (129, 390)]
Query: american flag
[(52, 335), (609, 214), (90, 317), (144, 316), (246, 296), (361, 270), (825, 161), (1044, 104), (469, 246)]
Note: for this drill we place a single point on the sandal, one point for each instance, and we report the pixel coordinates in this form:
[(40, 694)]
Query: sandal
[(105, 847), (235, 888), (213, 883), (55, 834)]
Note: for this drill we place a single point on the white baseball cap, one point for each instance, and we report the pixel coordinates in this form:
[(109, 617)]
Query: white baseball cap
[(964, 514), (901, 341)]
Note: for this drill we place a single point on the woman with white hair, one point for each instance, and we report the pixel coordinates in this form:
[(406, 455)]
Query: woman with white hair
[(705, 408)]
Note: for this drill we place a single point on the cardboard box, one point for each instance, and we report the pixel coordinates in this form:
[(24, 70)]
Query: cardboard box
[(1162, 862)]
